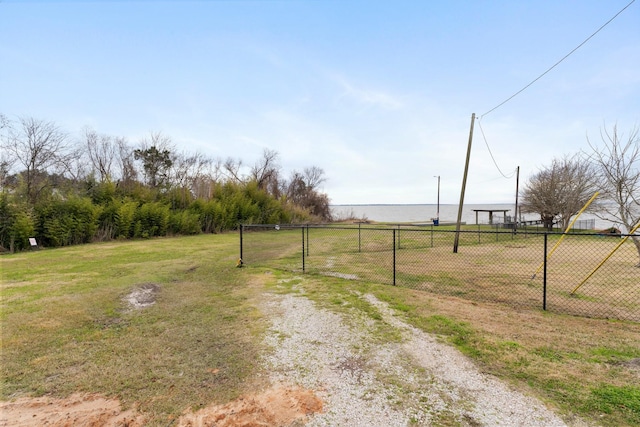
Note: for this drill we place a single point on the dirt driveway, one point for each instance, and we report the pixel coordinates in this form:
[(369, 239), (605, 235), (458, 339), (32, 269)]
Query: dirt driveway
[(329, 369)]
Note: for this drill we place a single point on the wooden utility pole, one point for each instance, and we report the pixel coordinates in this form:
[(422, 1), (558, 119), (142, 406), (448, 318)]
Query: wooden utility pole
[(515, 214), (464, 185)]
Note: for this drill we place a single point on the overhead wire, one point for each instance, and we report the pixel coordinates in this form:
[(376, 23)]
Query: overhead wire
[(491, 154), (535, 80), (558, 63)]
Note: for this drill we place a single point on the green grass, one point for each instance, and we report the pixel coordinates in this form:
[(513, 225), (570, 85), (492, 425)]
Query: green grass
[(610, 399), (65, 328)]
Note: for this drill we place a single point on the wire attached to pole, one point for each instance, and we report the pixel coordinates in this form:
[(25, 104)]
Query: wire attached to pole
[(491, 154), (558, 63)]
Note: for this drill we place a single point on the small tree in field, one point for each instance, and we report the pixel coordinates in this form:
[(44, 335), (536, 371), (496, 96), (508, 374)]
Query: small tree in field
[(618, 167), (156, 157), (560, 191)]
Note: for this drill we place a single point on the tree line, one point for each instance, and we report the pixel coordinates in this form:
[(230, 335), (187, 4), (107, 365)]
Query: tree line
[(66, 190)]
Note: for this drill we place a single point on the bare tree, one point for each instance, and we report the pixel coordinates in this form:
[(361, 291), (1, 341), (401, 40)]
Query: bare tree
[(266, 171), (296, 188), (125, 157), (301, 189), (204, 183), (618, 166), (102, 151), (188, 173), (5, 170), (40, 147), (231, 168), (560, 191), (72, 165), (4, 121), (188, 167), (6, 162), (314, 176)]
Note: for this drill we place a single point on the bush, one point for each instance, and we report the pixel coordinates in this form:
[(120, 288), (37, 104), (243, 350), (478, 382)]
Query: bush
[(184, 222), (67, 222), (23, 228), (151, 219), (16, 226), (125, 219)]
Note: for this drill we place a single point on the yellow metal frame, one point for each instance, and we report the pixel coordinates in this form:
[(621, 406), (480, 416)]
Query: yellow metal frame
[(565, 232), (605, 259)]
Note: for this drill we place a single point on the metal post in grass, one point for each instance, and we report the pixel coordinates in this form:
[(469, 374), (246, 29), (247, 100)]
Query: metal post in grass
[(241, 255), (544, 275), (302, 229), (394, 257)]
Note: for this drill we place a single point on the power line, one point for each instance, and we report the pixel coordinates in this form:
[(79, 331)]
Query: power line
[(491, 154), (557, 63)]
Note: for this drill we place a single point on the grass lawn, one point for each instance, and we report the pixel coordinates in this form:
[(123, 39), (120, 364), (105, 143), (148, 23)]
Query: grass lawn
[(66, 327)]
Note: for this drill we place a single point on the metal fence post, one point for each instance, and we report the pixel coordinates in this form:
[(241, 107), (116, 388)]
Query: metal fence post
[(544, 275), (241, 256), (302, 229), (394, 257), (359, 237)]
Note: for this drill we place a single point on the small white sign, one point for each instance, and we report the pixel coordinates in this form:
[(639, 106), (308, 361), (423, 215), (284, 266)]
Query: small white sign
[(32, 241), (277, 227)]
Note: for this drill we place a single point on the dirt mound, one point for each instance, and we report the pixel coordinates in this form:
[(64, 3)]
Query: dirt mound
[(277, 406)]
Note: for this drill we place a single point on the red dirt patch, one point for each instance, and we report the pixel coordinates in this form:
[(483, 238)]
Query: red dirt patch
[(77, 410), (277, 406)]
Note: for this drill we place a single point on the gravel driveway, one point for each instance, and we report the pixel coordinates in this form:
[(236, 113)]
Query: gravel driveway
[(368, 381)]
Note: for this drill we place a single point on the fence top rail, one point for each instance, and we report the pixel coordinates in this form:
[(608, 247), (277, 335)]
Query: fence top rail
[(423, 228)]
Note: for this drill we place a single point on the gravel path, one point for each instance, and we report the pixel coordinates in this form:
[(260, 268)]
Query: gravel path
[(366, 382)]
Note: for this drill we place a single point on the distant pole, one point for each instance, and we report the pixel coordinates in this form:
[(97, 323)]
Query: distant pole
[(438, 208), (464, 185), (515, 214)]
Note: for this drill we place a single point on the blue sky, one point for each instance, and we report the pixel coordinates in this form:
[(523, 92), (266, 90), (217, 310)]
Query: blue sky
[(379, 94)]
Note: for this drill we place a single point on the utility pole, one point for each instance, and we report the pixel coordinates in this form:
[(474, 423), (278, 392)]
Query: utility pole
[(515, 214), (438, 205), (464, 185)]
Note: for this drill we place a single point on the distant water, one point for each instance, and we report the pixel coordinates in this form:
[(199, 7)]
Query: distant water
[(424, 213)]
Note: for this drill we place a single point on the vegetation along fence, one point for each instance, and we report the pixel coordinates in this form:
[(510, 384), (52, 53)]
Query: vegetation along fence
[(593, 275)]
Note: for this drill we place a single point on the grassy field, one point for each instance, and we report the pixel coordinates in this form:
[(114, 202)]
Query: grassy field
[(489, 266), (66, 327)]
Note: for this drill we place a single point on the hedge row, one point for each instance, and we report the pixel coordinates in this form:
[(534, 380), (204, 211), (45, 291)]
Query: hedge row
[(77, 220)]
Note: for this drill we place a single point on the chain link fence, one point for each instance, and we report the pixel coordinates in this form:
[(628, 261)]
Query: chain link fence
[(592, 275)]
